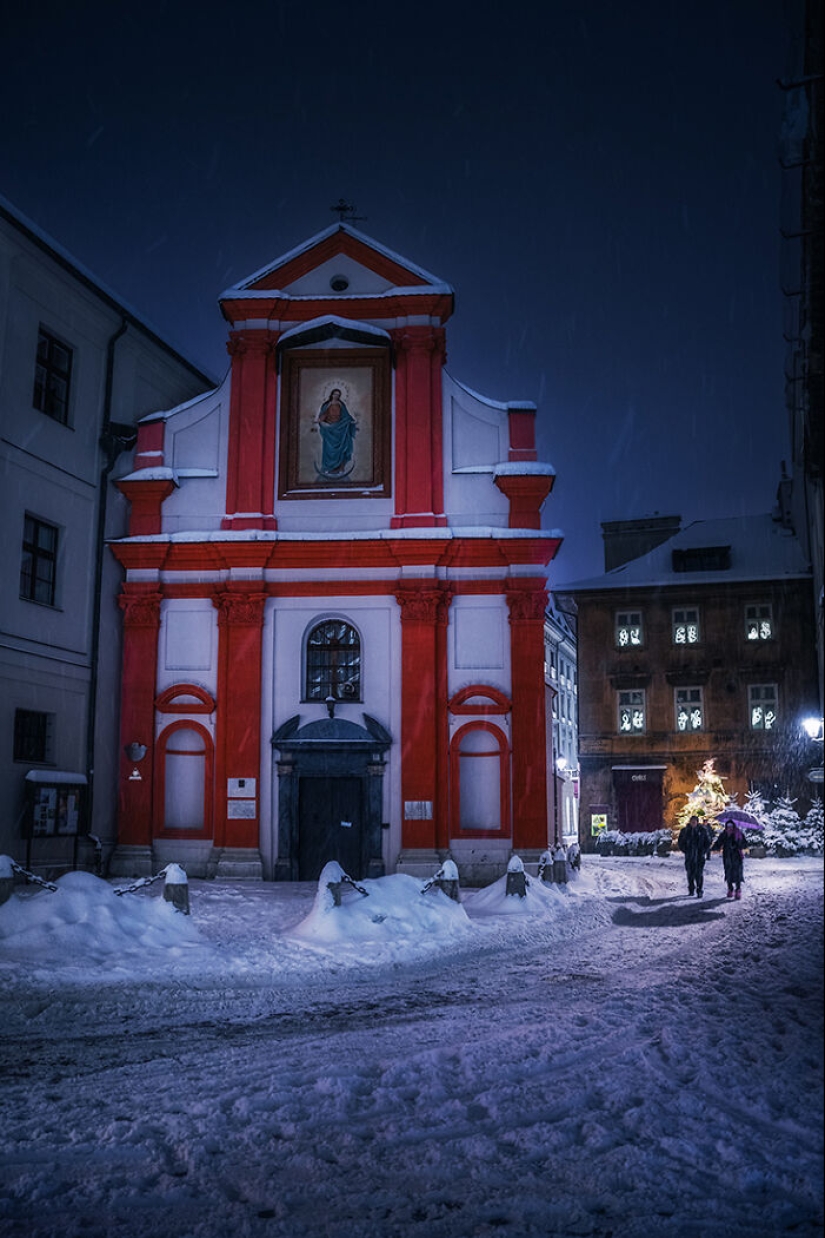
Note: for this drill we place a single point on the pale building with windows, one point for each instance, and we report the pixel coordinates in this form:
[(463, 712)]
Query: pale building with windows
[(77, 368), (335, 593), (561, 675), (701, 646)]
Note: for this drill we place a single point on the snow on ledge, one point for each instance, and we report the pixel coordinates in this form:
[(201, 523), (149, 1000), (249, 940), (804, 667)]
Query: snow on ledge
[(55, 775), (438, 533), (161, 473), (365, 328)]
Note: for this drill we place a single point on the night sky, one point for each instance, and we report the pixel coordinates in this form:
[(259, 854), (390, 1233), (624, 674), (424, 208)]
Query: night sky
[(598, 181)]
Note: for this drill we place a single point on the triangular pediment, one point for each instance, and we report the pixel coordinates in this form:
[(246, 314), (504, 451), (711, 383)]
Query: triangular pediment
[(339, 261)]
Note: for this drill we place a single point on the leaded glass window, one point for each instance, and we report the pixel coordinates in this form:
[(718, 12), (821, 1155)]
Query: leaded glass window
[(333, 662)]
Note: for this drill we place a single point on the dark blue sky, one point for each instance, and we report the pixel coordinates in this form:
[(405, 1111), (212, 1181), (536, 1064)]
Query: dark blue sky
[(599, 182)]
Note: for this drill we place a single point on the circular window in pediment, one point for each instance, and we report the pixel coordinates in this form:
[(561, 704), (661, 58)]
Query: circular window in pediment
[(339, 283)]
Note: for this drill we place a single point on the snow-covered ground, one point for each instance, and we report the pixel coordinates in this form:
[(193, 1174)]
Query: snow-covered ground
[(608, 1058)]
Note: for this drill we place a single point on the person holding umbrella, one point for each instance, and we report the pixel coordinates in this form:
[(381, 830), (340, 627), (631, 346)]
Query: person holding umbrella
[(694, 841), (731, 842)]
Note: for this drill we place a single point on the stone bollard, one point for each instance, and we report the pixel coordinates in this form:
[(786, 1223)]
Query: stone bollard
[(6, 878), (446, 880), (560, 865), (545, 869), (176, 888), (516, 878)]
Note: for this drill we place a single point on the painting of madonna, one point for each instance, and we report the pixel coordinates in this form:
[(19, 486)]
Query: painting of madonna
[(338, 428)]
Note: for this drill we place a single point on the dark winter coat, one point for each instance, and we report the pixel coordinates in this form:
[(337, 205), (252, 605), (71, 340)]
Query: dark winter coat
[(695, 841), (732, 847)]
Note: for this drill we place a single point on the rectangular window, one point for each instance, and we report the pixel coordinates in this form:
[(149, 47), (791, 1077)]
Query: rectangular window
[(762, 700), (33, 736), (759, 622), (632, 712), (38, 564), (686, 626), (690, 713), (52, 377), (628, 628), (702, 559)]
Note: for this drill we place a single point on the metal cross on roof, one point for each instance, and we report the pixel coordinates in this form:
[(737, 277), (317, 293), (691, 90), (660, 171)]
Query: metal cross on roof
[(346, 211)]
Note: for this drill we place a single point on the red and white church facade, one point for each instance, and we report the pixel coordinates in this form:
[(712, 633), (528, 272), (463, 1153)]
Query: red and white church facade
[(334, 594)]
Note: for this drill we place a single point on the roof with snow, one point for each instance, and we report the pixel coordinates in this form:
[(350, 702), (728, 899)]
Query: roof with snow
[(739, 548), (339, 239)]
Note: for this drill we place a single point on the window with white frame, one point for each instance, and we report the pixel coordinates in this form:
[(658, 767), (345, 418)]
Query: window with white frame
[(759, 622), (686, 625), (629, 631), (763, 706), (632, 712), (690, 710)]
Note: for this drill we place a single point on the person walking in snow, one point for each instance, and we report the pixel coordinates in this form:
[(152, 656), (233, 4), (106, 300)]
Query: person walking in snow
[(694, 841), (731, 842)]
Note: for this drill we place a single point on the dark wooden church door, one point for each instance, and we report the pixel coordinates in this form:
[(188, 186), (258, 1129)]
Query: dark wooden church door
[(330, 826)]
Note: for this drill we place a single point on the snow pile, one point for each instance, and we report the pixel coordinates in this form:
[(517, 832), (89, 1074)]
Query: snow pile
[(84, 923), (538, 901), (384, 910)]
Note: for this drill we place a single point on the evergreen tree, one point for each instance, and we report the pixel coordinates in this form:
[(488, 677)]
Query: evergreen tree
[(815, 827), (783, 833), (707, 799)]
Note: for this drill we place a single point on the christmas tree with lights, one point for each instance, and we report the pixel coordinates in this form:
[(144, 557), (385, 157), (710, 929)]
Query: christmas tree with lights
[(707, 799)]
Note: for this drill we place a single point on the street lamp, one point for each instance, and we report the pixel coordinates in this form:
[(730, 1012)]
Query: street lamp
[(812, 726)]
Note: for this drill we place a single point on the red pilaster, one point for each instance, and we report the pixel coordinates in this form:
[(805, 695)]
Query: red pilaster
[(423, 715), (526, 492), (238, 747), (250, 480), (527, 605), (141, 624), (145, 497), (150, 445), (521, 425), (419, 492)]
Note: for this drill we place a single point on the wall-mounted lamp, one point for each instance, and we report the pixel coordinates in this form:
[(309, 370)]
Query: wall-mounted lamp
[(135, 752), (813, 728)]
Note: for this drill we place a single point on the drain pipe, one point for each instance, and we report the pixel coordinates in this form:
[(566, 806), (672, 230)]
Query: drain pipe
[(114, 439)]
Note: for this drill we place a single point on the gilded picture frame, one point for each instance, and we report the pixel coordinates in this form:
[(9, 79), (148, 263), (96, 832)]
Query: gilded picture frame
[(334, 424)]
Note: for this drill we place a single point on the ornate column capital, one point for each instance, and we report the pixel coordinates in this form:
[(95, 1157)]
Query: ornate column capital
[(240, 609), (424, 605), (527, 604), (140, 610)]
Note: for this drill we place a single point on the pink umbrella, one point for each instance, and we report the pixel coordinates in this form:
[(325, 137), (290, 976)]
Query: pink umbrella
[(739, 816)]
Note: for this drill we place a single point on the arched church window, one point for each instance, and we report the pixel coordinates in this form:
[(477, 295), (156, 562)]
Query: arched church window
[(333, 662)]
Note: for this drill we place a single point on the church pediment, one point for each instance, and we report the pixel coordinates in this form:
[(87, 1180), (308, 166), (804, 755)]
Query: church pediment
[(339, 261)]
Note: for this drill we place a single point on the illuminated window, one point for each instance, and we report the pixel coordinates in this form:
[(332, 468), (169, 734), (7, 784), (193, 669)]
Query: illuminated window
[(764, 710), (632, 712), (759, 622), (52, 375), (686, 626), (690, 712), (628, 628), (333, 662)]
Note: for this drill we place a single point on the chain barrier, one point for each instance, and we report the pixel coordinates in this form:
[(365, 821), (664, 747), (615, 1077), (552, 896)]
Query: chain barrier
[(38, 881), (139, 885)]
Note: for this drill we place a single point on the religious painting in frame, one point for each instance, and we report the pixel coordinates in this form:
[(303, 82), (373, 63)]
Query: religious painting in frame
[(335, 424)]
